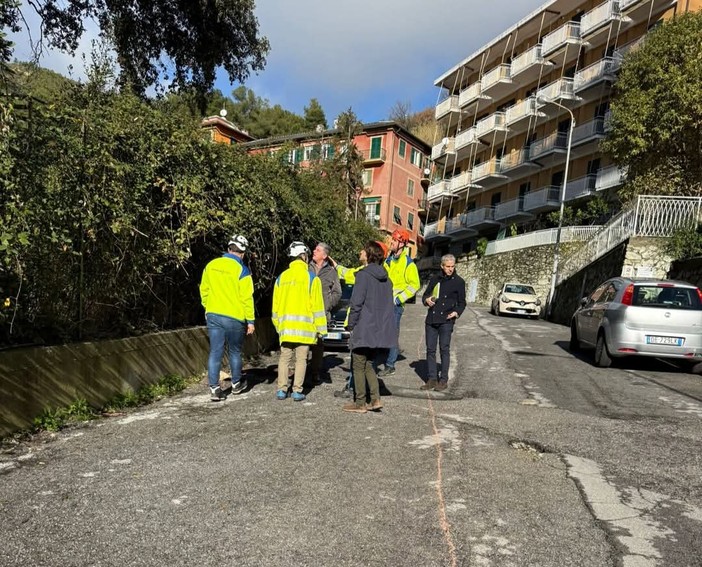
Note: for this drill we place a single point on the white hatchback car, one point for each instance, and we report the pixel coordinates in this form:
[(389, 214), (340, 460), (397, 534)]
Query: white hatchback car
[(516, 299), (640, 317)]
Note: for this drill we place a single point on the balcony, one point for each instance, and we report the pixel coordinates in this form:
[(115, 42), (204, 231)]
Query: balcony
[(512, 211), (554, 45), (522, 115), (445, 147), (374, 156), (545, 199), (447, 106), (586, 133), (471, 96), (434, 230), (422, 205), (560, 90), (527, 67), (603, 71), (465, 141), (580, 188), (549, 148), (438, 190), (496, 82), (479, 219), (456, 227), (488, 173), (609, 177), (594, 24), (620, 52), (517, 163), (461, 182), (494, 125), (639, 10)]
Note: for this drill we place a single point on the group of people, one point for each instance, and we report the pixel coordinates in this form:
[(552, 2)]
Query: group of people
[(304, 297)]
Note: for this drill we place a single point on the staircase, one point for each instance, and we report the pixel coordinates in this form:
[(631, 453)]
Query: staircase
[(647, 216)]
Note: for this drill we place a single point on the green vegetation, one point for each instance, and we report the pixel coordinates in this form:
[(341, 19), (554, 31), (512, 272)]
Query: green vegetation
[(596, 211), (55, 419), (656, 123), (685, 244)]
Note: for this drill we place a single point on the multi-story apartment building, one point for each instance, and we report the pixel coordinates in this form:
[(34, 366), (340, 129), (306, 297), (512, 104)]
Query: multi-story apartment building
[(395, 170), (508, 109)]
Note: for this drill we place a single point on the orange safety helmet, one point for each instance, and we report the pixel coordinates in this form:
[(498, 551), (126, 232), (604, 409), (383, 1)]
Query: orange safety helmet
[(401, 235), (384, 247)]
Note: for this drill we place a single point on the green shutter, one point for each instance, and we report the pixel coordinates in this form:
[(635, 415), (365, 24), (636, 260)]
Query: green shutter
[(375, 148), (403, 147)]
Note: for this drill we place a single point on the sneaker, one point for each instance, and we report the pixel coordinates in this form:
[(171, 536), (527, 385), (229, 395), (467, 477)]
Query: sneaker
[(298, 396), (375, 405), (215, 393), (442, 385), (281, 394), (345, 393), (354, 408), (429, 385), (239, 387), (389, 371)]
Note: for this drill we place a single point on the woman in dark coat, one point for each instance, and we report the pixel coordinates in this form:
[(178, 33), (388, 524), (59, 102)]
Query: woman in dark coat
[(372, 326)]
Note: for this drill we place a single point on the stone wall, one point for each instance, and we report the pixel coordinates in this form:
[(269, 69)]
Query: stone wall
[(35, 379)]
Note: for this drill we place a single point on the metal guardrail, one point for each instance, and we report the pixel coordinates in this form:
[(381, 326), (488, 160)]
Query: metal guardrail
[(541, 238)]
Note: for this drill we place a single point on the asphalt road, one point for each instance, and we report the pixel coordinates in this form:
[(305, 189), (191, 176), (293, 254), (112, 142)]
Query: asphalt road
[(533, 457)]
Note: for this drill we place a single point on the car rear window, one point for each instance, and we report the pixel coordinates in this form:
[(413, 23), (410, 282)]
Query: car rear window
[(667, 297)]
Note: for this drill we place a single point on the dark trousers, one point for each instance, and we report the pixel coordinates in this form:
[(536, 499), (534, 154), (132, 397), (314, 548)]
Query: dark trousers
[(362, 365), (441, 333)]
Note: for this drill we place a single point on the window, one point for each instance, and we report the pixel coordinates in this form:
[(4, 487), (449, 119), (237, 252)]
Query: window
[(327, 151), (396, 215), (403, 148), (495, 199), (524, 188), (410, 187), (295, 156), (416, 157), (367, 177), (373, 213), (376, 146), (410, 221), (312, 152)]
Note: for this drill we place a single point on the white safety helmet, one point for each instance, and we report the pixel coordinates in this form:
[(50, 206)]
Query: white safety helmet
[(297, 248), (239, 242)]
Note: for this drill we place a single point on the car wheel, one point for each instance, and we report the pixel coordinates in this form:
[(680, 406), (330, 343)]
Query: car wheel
[(602, 358), (492, 309), (574, 345)]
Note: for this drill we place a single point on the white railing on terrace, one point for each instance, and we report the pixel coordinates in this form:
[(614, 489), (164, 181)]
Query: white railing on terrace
[(522, 109), (580, 187), (449, 104), (459, 182), (524, 60), (648, 216), (494, 76), (583, 132), (610, 176), (599, 16), (558, 89), (570, 32), (493, 122), (447, 147), (437, 190), (541, 238), (467, 137), (469, 94), (602, 69)]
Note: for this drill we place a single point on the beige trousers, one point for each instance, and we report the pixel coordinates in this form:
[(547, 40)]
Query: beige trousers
[(286, 354)]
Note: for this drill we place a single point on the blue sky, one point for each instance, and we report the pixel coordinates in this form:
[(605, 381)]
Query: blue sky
[(365, 54)]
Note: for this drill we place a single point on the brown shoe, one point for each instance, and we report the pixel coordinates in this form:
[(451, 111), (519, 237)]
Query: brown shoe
[(375, 405), (442, 385), (353, 408), (428, 385)]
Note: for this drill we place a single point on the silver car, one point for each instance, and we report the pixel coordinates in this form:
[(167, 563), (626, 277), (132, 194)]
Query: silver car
[(640, 317)]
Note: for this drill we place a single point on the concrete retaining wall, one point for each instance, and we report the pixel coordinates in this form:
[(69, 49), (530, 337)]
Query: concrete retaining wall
[(35, 379)]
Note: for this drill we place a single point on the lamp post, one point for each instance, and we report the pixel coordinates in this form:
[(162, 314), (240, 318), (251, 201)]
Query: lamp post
[(556, 250)]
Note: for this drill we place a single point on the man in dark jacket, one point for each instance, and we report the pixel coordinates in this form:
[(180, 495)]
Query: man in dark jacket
[(446, 298), (321, 267)]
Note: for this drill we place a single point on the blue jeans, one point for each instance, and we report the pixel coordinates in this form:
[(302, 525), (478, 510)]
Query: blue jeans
[(442, 334), (393, 353), (223, 330)]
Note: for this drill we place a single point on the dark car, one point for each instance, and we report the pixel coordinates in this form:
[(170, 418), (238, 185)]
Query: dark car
[(337, 335)]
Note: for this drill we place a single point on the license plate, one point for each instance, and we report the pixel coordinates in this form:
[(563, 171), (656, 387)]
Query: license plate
[(334, 336), (521, 310), (675, 341)]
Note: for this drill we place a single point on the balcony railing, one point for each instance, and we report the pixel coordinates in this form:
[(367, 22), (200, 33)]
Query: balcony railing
[(500, 74), (557, 141), (372, 155), (431, 229), (460, 182), (521, 110), (445, 146), (542, 197), (581, 187), (567, 33), (601, 70), (478, 216), (496, 121), (610, 176), (439, 189), (525, 60), (485, 169), (557, 90), (600, 16), (541, 238), (509, 208), (446, 106), (515, 159), (620, 52), (626, 4), (592, 129), (470, 94), (467, 137)]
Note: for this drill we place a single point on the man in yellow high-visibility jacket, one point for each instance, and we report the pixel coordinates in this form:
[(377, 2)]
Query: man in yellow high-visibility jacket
[(298, 316), (404, 276)]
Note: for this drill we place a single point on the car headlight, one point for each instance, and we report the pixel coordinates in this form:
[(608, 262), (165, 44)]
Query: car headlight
[(505, 299)]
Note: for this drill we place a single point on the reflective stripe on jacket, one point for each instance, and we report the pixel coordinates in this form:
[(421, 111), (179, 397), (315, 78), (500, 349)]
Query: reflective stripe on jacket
[(298, 306), (403, 275), (227, 289)]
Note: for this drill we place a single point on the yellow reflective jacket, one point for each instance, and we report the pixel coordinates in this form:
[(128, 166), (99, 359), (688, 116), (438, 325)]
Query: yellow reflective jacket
[(404, 276), (298, 306), (348, 274), (227, 289)]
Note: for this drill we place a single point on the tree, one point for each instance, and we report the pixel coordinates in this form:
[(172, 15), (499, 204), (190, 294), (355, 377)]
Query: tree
[(656, 120), (195, 37), (314, 115), (401, 112)]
